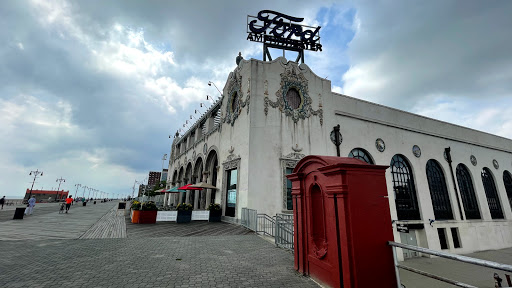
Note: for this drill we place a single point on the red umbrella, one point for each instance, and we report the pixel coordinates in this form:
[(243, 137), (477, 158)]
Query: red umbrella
[(187, 187)]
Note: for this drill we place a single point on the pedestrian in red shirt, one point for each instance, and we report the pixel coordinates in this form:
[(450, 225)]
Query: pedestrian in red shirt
[(69, 200)]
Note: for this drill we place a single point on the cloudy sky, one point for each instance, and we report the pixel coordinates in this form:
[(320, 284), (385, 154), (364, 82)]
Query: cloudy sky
[(91, 90)]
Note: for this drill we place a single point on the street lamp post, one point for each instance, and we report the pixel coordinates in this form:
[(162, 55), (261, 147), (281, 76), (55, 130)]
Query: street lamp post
[(163, 159), (83, 195), (58, 189), (36, 173), (210, 84), (89, 195), (76, 192)]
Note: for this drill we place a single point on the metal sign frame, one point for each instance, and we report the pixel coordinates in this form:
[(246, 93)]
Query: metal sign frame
[(281, 31)]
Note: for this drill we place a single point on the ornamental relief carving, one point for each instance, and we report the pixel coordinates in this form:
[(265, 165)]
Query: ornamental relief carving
[(290, 79), (235, 101), (231, 162)]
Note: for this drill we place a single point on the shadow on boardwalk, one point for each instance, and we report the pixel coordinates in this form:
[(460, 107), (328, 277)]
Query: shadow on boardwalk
[(173, 229)]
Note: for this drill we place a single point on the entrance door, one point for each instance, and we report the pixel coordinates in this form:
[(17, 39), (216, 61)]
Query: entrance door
[(410, 239), (231, 192)]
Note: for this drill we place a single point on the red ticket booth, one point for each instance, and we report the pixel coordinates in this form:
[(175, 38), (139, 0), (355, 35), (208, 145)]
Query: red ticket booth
[(342, 222)]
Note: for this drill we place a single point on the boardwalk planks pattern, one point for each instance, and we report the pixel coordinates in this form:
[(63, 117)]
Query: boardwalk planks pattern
[(47, 223), (111, 225), (173, 229)]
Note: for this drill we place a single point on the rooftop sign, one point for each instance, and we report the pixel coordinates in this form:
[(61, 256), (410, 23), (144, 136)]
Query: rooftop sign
[(281, 31)]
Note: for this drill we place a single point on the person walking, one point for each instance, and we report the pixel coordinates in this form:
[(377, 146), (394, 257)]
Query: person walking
[(30, 206), (69, 200), (2, 202)]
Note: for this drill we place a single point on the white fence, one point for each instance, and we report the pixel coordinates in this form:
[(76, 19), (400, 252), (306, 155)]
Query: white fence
[(170, 216)]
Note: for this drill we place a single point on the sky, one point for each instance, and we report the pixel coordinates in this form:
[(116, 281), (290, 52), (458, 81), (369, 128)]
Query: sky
[(91, 90)]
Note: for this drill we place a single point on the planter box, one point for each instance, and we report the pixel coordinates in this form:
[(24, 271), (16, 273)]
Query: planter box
[(144, 217), (184, 216), (166, 216), (215, 215)]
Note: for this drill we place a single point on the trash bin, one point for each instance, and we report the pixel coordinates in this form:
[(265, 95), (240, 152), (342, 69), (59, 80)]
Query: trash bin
[(122, 205), (85, 204), (18, 214), (94, 202)]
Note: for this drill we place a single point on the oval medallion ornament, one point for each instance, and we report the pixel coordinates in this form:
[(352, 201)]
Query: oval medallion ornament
[(381, 146), (416, 151), (472, 158), (495, 164), (205, 148)]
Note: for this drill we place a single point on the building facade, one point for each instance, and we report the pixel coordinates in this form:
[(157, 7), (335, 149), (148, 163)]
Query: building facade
[(47, 195), (154, 179), (450, 187)]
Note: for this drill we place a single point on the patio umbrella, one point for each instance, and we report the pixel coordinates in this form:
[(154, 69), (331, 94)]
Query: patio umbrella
[(160, 190), (174, 190), (187, 187), (204, 185)]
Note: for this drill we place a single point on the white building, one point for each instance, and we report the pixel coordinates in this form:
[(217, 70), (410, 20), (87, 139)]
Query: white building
[(274, 113)]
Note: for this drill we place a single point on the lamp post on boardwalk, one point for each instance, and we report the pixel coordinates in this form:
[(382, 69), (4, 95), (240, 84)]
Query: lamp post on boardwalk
[(58, 189), (83, 195), (163, 159), (76, 192), (36, 173), (89, 195)]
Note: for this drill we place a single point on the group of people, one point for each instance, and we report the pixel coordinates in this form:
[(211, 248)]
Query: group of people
[(32, 203)]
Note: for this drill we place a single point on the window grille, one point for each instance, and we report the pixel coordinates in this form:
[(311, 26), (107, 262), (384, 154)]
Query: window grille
[(507, 180), (361, 154), (491, 194), (293, 98), (438, 191), (404, 188), (467, 192)]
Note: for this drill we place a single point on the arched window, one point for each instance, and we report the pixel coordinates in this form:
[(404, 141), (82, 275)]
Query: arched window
[(438, 191), (467, 192), (361, 154), (507, 180), (405, 191), (491, 194)]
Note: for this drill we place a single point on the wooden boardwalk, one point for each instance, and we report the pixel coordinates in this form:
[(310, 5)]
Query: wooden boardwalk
[(111, 225), (47, 223), (173, 229)]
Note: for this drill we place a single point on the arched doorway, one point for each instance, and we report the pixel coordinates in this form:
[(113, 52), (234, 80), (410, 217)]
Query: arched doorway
[(197, 176), (188, 177), (211, 171)]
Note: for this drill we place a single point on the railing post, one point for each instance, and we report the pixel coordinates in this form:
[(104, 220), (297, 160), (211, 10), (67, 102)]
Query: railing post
[(397, 273)]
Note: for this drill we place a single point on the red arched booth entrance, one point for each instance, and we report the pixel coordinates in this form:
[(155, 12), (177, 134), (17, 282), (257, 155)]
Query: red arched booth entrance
[(342, 222)]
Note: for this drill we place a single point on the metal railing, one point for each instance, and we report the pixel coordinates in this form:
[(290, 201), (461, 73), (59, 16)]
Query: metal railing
[(460, 258), (280, 226), (284, 231), (266, 225), (249, 219)]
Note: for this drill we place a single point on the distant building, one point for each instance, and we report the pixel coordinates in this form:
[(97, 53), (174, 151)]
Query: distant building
[(47, 195), (154, 179)]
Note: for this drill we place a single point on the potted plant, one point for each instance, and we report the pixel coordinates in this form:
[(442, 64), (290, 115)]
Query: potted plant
[(215, 212), (144, 213), (184, 213)]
